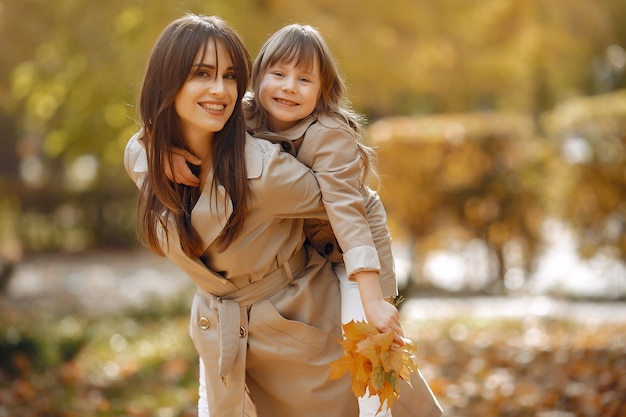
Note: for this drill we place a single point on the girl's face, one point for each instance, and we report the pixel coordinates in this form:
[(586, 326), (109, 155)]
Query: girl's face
[(289, 93), (208, 97)]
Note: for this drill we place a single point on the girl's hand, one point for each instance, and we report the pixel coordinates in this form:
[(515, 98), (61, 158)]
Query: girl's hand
[(179, 172), (384, 316), (380, 313)]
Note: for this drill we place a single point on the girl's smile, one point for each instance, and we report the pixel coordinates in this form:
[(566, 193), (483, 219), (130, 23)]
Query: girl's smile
[(289, 93)]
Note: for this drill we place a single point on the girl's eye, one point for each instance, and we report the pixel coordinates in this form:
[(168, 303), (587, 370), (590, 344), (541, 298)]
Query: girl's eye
[(230, 76), (304, 80), (277, 73)]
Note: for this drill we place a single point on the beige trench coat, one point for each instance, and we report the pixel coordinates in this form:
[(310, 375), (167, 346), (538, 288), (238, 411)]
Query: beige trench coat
[(267, 313)]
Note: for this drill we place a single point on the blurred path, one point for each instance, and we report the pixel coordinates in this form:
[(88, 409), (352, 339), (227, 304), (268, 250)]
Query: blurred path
[(514, 308), (98, 282), (107, 282)]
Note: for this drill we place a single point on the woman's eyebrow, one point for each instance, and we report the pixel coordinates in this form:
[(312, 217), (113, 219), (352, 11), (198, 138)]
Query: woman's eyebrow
[(202, 64)]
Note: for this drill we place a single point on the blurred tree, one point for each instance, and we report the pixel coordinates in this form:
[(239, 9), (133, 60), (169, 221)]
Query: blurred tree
[(70, 72), (589, 190), (459, 177), (72, 90)]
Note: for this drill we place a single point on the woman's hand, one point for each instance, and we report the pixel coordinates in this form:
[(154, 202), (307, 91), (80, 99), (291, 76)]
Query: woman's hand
[(179, 172)]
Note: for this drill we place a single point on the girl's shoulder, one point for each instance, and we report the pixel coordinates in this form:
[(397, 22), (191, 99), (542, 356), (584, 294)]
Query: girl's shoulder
[(330, 122), (261, 154)]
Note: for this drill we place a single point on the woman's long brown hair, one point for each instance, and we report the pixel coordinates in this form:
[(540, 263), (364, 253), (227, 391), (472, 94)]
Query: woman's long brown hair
[(163, 202)]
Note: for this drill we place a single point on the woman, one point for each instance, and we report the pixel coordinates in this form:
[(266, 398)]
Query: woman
[(257, 320)]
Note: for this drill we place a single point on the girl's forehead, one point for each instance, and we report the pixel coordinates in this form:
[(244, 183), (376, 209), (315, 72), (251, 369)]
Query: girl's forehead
[(302, 62)]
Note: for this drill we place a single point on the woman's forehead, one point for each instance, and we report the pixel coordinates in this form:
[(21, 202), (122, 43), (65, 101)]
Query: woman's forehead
[(214, 52)]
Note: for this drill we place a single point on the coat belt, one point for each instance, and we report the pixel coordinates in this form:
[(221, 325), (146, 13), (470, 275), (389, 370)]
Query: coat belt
[(229, 307)]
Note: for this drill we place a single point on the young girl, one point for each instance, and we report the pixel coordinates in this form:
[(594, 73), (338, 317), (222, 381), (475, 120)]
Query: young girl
[(265, 318), (299, 102)]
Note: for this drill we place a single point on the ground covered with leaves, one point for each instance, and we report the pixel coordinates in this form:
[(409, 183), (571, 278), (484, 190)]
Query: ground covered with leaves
[(142, 363), (532, 367)]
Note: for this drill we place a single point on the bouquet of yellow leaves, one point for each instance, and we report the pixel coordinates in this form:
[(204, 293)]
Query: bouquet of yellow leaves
[(376, 362)]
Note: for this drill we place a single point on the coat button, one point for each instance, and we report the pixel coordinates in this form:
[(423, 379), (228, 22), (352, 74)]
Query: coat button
[(204, 323), (328, 248), (243, 332), (286, 146)]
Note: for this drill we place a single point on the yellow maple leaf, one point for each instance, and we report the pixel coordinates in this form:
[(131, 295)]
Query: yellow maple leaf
[(375, 361)]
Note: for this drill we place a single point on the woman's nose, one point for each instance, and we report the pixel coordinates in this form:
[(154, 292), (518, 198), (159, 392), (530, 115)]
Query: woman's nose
[(217, 86)]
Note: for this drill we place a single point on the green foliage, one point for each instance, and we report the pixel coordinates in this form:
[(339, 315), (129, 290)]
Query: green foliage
[(25, 349), (133, 364)]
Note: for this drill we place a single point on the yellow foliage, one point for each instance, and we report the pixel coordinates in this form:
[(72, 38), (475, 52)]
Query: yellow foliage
[(376, 362)]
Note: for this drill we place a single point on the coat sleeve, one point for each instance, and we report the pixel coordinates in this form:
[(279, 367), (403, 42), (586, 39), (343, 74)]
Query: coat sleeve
[(377, 219), (332, 154), (290, 189), (136, 160)]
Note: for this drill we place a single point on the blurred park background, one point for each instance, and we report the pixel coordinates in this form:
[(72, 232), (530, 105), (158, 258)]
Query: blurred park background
[(500, 127)]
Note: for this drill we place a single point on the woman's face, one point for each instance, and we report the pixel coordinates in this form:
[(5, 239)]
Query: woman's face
[(208, 97)]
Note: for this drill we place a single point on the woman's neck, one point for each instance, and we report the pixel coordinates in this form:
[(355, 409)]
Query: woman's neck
[(200, 145)]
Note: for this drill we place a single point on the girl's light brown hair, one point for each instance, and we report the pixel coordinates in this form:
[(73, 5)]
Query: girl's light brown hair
[(303, 46)]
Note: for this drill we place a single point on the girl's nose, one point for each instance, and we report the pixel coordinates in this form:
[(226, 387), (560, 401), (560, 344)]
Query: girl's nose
[(289, 85)]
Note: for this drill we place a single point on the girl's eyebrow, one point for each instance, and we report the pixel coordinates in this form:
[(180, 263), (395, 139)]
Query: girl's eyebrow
[(305, 69)]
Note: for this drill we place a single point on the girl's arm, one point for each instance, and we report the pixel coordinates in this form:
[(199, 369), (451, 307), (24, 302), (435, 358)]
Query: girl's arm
[(382, 314), (137, 166), (332, 153), (377, 219)]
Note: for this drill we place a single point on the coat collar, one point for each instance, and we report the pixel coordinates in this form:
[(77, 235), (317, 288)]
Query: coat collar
[(293, 133)]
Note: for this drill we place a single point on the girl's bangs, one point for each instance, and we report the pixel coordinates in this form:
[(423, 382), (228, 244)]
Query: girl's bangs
[(299, 51)]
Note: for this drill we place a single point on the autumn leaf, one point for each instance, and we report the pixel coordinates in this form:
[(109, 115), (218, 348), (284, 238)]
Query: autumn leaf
[(375, 361)]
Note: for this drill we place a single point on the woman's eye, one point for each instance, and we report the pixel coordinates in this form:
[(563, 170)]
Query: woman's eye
[(230, 76)]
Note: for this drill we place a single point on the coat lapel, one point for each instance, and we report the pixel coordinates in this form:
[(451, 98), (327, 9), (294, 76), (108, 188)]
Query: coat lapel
[(211, 213), (213, 209)]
